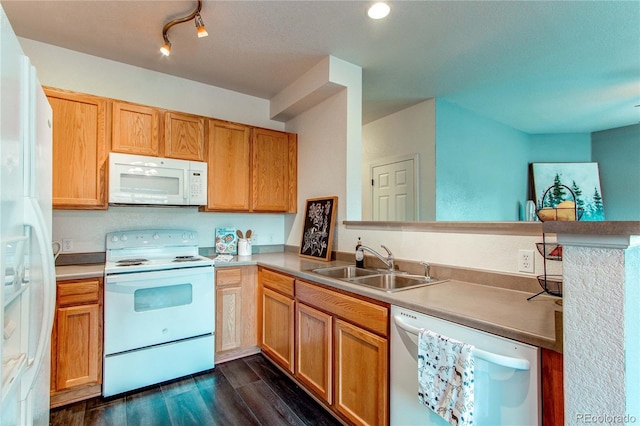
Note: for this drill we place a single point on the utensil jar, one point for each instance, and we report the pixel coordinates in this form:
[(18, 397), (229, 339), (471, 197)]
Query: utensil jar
[(244, 247)]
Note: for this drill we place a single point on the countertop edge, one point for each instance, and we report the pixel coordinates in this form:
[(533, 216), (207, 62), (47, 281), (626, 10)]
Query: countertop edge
[(72, 272)]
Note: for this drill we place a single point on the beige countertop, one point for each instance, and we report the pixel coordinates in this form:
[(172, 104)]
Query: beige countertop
[(76, 272), (495, 310)]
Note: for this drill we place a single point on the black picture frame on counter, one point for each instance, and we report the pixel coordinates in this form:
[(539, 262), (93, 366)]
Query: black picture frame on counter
[(317, 231)]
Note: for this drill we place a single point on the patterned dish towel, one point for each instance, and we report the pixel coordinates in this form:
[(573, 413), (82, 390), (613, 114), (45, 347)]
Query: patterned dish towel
[(445, 377)]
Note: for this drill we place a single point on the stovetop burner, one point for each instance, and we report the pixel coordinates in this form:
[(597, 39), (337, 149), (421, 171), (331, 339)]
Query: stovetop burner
[(131, 262), (185, 259)]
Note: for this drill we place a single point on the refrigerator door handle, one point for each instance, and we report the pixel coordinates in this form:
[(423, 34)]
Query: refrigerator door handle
[(33, 217)]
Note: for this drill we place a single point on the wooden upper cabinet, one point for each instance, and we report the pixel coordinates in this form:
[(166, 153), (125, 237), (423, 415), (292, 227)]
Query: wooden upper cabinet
[(184, 136), (274, 171), (228, 159), (136, 129), (80, 150)]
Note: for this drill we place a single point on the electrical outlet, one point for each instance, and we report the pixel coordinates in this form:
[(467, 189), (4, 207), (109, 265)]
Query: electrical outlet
[(525, 261), (67, 244)]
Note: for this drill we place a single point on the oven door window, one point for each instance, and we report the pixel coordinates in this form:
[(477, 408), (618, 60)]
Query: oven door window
[(154, 298)]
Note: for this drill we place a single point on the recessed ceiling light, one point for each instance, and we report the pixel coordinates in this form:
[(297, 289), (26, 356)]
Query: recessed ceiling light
[(378, 10)]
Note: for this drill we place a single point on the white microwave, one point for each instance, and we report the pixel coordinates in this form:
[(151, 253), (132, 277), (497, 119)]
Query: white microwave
[(138, 179)]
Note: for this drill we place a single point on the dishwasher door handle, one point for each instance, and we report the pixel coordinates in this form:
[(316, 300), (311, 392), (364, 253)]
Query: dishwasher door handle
[(505, 361)]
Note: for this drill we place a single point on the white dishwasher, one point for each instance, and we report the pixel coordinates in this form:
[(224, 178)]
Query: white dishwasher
[(507, 375)]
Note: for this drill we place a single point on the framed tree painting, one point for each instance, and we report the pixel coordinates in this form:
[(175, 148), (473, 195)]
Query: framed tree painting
[(554, 183), (317, 231)]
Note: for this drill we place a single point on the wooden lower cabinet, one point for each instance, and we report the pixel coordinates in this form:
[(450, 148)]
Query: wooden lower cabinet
[(314, 363), (361, 393), (552, 388), (277, 317), (342, 352), (236, 320), (277, 328), (76, 358)]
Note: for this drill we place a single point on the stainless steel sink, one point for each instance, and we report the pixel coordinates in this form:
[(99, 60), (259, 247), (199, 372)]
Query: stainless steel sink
[(395, 282), (380, 280), (344, 272)]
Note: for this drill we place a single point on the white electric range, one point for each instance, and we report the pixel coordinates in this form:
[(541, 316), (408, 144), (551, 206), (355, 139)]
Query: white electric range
[(159, 308)]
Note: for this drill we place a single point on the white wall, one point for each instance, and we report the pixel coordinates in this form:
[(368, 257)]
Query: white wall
[(322, 159), (601, 326), (67, 69), (76, 71)]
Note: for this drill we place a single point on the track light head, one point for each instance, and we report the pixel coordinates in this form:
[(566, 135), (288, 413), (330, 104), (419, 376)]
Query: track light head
[(202, 31), (166, 48)]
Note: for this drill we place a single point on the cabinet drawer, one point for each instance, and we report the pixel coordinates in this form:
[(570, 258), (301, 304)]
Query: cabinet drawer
[(360, 312), (278, 282), (78, 292), (228, 276)]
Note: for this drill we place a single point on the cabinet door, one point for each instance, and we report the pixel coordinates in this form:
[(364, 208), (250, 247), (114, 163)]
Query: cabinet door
[(361, 394), (80, 150), (313, 351), (277, 332), (79, 346), (228, 309), (228, 159), (270, 170), (236, 312), (552, 388), (184, 136), (135, 129), (228, 318)]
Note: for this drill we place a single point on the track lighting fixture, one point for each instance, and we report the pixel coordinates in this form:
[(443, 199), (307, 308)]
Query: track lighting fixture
[(202, 31)]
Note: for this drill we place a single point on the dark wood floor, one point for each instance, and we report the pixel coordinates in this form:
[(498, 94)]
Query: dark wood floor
[(247, 391)]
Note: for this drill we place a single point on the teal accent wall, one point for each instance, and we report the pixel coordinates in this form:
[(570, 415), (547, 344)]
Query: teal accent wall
[(482, 166), (617, 151), (560, 148)]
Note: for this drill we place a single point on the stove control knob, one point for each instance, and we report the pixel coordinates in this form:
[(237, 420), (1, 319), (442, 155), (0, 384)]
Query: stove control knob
[(184, 236), (114, 238), (156, 236), (124, 238)]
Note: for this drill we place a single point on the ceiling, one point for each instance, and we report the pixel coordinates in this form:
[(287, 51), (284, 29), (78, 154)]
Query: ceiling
[(537, 66)]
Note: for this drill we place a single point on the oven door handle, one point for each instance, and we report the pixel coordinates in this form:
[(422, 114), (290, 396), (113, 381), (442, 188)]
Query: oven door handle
[(148, 279)]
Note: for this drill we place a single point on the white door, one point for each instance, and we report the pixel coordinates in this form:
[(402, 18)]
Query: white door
[(394, 191)]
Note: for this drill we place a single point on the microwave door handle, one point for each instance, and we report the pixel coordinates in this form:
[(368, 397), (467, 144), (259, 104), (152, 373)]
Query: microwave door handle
[(185, 185)]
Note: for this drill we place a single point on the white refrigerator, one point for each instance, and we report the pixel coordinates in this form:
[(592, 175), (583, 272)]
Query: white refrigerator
[(27, 300)]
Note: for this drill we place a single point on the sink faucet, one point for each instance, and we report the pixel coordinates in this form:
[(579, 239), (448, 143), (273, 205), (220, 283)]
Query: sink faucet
[(387, 260), (426, 269)]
